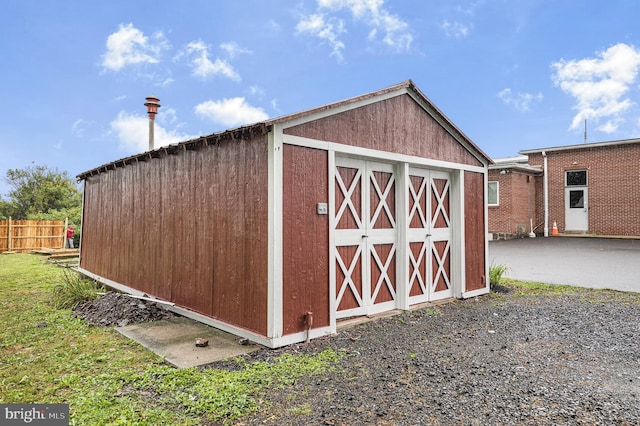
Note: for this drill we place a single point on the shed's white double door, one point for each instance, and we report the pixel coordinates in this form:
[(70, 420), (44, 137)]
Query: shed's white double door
[(429, 235), (366, 237)]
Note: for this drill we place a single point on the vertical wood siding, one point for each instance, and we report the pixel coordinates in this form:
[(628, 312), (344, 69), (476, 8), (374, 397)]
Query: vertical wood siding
[(190, 228), (397, 125), (305, 238), (474, 231)]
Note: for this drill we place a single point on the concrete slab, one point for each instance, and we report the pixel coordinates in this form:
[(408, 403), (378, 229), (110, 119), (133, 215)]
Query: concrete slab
[(174, 339)]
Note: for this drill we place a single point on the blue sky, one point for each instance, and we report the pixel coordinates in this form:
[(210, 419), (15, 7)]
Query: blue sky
[(510, 74)]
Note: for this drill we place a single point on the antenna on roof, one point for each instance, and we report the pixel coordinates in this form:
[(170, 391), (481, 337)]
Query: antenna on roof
[(585, 130)]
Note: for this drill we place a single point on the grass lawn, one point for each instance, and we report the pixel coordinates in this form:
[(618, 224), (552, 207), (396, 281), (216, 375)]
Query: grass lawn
[(47, 356)]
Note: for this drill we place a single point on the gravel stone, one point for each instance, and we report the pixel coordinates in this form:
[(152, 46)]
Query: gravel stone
[(503, 359)]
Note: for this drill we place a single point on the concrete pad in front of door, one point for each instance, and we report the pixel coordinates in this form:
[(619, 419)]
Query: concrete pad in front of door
[(174, 339)]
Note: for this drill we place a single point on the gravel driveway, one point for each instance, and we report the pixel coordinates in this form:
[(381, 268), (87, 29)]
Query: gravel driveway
[(500, 359)]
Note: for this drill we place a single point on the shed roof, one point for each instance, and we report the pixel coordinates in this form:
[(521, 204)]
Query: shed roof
[(263, 127), (582, 146)]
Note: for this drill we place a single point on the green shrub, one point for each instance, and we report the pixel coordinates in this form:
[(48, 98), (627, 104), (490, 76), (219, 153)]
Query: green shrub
[(496, 272), (74, 290)]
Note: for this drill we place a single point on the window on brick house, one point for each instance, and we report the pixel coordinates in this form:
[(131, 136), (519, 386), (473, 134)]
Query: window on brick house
[(493, 193), (576, 177)]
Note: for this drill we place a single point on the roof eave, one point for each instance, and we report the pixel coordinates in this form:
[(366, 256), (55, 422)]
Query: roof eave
[(581, 146)]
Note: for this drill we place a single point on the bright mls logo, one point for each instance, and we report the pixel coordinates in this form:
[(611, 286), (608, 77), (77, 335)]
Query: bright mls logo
[(36, 414)]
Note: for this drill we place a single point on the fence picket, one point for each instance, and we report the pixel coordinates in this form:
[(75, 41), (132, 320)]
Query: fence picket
[(26, 235)]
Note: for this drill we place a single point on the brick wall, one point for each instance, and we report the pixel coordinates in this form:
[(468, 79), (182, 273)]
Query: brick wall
[(613, 182), (517, 201)]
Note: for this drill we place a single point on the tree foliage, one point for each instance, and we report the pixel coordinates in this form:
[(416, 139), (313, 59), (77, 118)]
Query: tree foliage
[(38, 192)]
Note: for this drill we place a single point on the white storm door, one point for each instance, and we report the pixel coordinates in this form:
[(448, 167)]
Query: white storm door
[(429, 235), (365, 237)]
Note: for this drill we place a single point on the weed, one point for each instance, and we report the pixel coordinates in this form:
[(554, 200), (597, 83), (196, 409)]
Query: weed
[(301, 410), (496, 272), (433, 312), (74, 290)]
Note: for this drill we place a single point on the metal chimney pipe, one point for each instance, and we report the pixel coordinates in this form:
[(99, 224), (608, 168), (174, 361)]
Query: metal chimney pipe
[(152, 105)]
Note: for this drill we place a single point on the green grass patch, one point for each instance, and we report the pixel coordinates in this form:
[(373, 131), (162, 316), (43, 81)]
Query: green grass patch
[(529, 288), (50, 357), (532, 289), (433, 312)]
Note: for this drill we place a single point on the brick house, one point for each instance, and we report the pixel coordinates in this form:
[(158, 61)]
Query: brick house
[(512, 197), (591, 188)]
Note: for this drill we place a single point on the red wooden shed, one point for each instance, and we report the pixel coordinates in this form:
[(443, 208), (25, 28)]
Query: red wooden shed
[(277, 230)]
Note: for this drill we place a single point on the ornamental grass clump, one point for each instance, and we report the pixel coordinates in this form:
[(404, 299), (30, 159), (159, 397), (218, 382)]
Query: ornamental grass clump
[(74, 290)]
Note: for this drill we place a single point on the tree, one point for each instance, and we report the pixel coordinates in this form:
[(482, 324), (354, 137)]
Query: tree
[(39, 192)]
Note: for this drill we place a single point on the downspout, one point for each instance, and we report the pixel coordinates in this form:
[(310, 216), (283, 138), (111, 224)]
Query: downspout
[(546, 195)]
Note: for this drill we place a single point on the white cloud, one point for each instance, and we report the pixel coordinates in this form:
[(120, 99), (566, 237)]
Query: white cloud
[(521, 101), (231, 112), (129, 46), (256, 91), (396, 32), (272, 26), (80, 127), (610, 126), (328, 31), (203, 67), (599, 85), (166, 82), (455, 29), (167, 117), (132, 132), (233, 49), (274, 104)]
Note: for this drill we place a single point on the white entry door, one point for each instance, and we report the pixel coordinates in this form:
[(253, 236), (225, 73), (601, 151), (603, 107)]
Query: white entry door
[(429, 235), (365, 237), (576, 201), (576, 210)]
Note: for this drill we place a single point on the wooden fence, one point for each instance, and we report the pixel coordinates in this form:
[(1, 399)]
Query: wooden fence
[(26, 235)]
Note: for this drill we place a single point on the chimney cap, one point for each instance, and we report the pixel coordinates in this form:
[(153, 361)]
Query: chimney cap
[(152, 105)]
